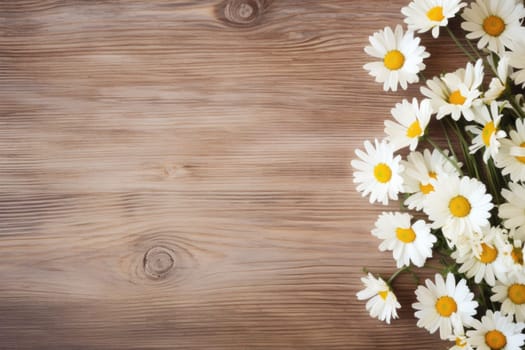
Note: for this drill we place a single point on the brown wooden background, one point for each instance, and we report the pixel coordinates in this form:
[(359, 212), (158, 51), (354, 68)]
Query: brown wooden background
[(175, 174)]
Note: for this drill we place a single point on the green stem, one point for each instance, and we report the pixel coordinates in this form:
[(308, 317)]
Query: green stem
[(470, 162), (432, 267), (436, 146), (491, 177), (395, 274), (473, 49), (516, 107), (492, 66), (458, 44), (402, 206), (482, 290), (485, 58), (449, 143), (496, 178)]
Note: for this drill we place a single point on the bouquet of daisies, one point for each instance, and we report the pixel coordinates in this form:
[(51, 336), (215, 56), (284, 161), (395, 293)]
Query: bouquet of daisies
[(462, 194)]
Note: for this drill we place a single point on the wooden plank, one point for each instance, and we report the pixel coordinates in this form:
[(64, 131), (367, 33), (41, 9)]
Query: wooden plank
[(175, 175)]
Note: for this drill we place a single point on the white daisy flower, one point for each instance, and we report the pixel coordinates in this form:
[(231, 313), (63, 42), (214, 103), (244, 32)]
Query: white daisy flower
[(496, 332), (517, 60), (458, 206), (382, 303), (499, 83), (510, 292), (513, 255), (424, 15), (511, 155), (456, 93), (485, 260), (408, 242), (444, 305), (460, 341), (411, 122), (401, 58), (513, 211), (496, 23), (378, 172), (468, 244), (488, 134), (420, 168)]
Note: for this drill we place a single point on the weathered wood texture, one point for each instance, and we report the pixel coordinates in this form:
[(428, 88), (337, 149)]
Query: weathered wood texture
[(175, 174)]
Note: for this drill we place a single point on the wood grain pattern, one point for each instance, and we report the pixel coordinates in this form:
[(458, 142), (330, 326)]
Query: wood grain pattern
[(175, 174)]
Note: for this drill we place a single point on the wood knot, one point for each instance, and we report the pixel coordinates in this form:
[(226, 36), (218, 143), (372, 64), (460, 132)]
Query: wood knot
[(242, 13), (158, 262), (171, 171)]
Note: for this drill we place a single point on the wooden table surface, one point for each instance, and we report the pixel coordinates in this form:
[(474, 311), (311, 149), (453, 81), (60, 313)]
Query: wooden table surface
[(175, 174)]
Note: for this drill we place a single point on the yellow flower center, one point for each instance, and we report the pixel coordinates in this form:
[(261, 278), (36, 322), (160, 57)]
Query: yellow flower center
[(487, 132), (488, 254), (495, 340), (459, 206), (427, 188), (493, 25), (446, 306), (405, 235), (517, 256), (383, 294), (435, 14), (394, 60), (460, 342), (516, 293), (414, 130), (456, 98), (382, 173), (521, 159)]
